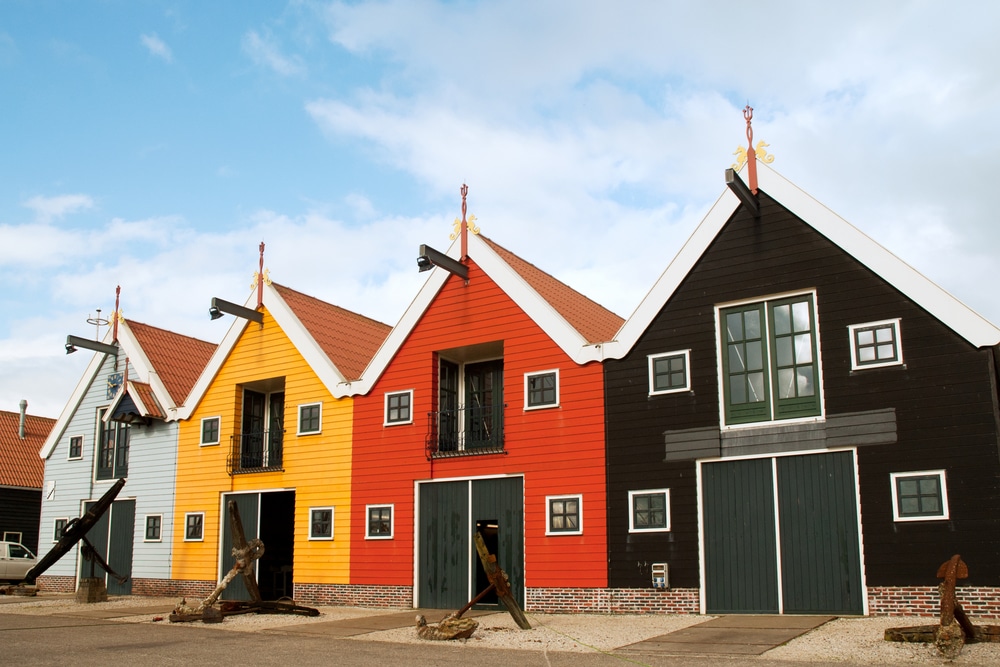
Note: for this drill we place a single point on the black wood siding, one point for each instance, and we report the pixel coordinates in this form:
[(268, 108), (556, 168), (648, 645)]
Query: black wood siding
[(20, 512), (944, 398)]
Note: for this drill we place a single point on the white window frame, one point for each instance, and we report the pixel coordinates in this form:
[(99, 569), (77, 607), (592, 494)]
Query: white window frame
[(548, 514), (201, 432), (942, 483), (201, 538), (298, 419), (856, 364), (55, 526), (631, 510), (145, 528), (652, 358), (69, 448), (333, 514), (543, 406), (392, 521), (385, 413), (8, 536)]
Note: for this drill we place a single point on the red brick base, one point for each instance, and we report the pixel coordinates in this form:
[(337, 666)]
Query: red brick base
[(53, 584), (353, 595), (978, 601), (179, 588), (612, 600)]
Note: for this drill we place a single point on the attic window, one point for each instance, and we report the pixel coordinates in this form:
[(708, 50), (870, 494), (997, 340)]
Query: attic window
[(875, 345)]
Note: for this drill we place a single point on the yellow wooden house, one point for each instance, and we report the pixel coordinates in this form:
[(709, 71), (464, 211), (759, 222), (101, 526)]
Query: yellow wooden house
[(268, 426)]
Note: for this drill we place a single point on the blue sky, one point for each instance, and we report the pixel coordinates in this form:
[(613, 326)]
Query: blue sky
[(154, 145)]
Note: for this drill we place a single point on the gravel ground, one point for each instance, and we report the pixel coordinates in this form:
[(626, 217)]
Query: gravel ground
[(845, 640)]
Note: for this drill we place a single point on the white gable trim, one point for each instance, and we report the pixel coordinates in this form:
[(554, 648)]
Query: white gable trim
[(79, 392), (144, 368), (949, 310), (215, 362)]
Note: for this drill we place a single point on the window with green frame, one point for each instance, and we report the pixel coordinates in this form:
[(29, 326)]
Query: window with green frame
[(770, 368)]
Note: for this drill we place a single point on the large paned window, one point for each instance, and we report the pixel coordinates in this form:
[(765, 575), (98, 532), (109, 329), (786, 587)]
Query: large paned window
[(112, 448), (471, 407), (770, 367)]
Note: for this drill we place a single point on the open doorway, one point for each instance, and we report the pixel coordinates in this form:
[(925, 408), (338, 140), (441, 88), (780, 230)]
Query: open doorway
[(490, 530), (271, 517)]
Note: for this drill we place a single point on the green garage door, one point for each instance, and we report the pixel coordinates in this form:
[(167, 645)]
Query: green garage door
[(811, 528), (112, 537)]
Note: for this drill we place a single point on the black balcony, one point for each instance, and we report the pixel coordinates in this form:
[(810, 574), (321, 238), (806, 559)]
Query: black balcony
[(255, 452), (465, 431)]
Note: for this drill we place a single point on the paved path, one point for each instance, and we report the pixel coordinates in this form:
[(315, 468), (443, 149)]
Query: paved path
[(741, 634)]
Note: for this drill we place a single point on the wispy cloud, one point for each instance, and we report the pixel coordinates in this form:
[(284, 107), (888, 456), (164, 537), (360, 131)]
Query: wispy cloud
[(157, 47), (263, 50), (48, 209)]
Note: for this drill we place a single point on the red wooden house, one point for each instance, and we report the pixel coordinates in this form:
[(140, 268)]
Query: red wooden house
[(483, 411)]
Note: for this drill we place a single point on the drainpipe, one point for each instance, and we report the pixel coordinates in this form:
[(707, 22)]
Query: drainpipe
[(24, 409)]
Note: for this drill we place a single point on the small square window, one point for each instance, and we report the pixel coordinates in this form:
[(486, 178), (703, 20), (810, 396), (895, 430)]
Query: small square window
[(649, 511), (210, 430), (379, 522), (541, 390), (76, 447), (399, 408), (919, 496), (194, 526), (668, 372), (154, 522), (565, 515), (12, 536), (58, 526), (875, 344), (320, 523), (310, 417)]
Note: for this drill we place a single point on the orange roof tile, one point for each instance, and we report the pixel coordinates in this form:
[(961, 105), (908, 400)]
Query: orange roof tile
[(144, 392), (595, 323), (349, 339), (20, 464), (177, 359)]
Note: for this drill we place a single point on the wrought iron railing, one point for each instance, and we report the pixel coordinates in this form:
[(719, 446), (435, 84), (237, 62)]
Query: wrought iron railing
[(255, 452), (476, 430)]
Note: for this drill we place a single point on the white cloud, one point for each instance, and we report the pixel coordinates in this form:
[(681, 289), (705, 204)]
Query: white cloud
[(157, 47), (48, 209), (263, 50)]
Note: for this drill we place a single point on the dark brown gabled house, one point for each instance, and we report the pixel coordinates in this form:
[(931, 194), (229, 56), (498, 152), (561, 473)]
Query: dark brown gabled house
[(21, 471), (799, 422)]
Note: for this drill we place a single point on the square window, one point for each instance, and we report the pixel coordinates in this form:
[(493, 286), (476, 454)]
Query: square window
[(320, 523), (76, 447), (210, 430), (12, 536), (875, 345), (919, 496), (649, 511), (565, 515), (194, 526), (379, 522), (310, 418), (58, 526), (668, 372), (399, 408), (541, 390), (154, 522)]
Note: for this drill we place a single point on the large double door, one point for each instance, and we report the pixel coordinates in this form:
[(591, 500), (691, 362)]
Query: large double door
[(781, 535), (449, 572), (113, 538), (269, 516)]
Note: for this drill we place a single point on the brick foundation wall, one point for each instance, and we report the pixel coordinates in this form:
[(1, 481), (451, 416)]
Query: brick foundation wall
[(612, 600), (353, 595), (180, 588), (978, 601), (53, 584)]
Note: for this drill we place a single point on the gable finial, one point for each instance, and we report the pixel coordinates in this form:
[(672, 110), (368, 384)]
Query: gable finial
[(751, 154), (260, 277), (462, 228), (118, 293)]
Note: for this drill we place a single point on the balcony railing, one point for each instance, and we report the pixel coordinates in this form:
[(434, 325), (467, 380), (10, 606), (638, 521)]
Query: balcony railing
[(465, 431), (255, 452)]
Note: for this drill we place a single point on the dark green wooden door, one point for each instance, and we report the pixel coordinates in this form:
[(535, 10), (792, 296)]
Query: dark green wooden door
[(815, 535), (741, 572), (820, 552), (112, 537), (443, 579), (249, 507), (498, 510)]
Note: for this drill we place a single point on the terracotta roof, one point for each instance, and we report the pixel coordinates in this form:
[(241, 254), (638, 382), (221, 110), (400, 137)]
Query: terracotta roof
[(349, 339), (595, 323), (144, 392), (20, 464), (177, 359)]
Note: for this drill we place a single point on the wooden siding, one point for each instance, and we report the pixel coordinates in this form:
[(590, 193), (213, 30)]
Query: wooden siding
[(943, 400), (558, 450), (19, 513), (317, 467)]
